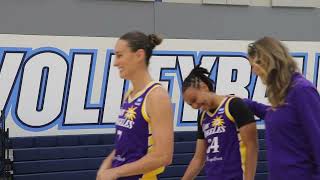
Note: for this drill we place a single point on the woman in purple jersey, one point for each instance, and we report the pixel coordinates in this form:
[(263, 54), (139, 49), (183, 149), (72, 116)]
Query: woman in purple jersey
[(293, 119), (144, 129), (219, 149)]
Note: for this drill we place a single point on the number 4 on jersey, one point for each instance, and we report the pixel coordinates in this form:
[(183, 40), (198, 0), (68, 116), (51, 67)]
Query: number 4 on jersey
[(214, 145)]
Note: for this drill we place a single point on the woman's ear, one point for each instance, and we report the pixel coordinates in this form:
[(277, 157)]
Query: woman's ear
[(140, 54)]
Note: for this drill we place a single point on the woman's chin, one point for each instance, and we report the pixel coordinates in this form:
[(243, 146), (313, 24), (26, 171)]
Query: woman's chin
[(122, 75), (204, 108)]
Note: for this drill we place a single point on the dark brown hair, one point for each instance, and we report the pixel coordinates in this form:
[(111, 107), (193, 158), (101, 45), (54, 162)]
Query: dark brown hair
[(138, 40), (197, 75)]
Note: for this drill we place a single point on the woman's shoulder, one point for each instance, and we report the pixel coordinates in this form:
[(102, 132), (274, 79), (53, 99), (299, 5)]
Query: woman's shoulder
[(300, 82), (158, 93), (300, 85)]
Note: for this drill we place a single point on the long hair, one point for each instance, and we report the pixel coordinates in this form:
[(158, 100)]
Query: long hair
[(279, 65)]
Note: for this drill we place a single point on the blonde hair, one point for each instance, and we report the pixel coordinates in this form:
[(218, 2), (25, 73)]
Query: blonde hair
[(279, 65)]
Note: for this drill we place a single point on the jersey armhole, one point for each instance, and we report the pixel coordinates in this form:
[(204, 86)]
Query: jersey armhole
[(144, 104), (227, 111)]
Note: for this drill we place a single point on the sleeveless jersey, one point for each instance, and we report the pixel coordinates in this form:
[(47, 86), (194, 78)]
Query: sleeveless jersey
[(134, 135), (223, 156)]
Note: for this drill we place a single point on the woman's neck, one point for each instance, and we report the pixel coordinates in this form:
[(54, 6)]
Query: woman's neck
[(216, 100), (140, 81)]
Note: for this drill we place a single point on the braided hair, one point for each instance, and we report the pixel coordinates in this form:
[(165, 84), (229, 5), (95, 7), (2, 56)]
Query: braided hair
[(196, 76)]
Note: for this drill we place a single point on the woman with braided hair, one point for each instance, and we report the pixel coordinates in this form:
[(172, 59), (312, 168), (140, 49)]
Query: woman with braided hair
[(224, 154)]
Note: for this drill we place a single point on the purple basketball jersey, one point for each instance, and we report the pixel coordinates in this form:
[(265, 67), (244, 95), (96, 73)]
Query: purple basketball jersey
[(134, 136), (223, 161)]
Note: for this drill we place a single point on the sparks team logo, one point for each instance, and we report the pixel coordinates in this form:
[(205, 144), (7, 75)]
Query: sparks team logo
[(127, 117), (218, 121), (217, 127), (131, 113)]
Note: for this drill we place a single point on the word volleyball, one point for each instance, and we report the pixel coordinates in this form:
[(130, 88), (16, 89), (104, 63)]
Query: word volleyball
[(44, 87)]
